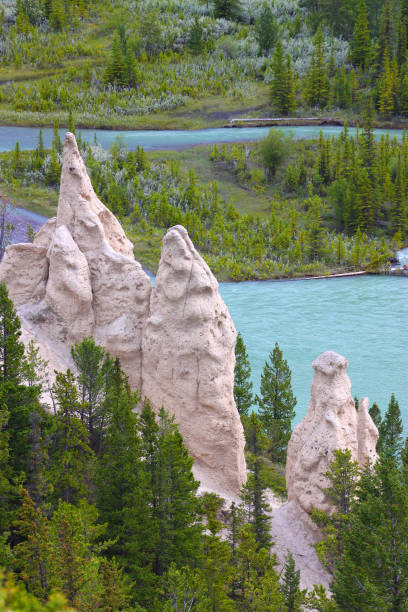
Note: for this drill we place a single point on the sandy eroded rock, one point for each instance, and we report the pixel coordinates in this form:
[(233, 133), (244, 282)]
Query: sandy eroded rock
[(188, 362), (79, 278), (332, 422)]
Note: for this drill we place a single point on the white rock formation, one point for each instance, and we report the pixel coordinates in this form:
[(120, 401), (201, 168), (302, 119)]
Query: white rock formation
[(332, 422), (79, 278), (188, 362)]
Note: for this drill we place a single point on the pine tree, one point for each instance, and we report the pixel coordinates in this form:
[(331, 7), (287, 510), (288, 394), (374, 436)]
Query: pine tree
[(375, 414), (390, 440), (94, 368), (372, 573), (279, 80), (175, 509), (123, 501), (317, 81), (294, 597), (343, 475), (195, 37), (242, 378), (58, 17), (257, 579), (360, 46), (70, 454), (227, 9), (33, 554), (11, 348), (276, 404), (53, 172), (217, 569), (266, 30), (253, 492), (290, 101), (115, 71)]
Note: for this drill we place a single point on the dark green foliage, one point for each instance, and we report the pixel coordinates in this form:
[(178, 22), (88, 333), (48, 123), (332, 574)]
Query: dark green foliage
[(11, 347), (283, 97), (276, 404), (242, 377), (375, 414), (266, 30), (360, 46), (317, 81), (94, 369), (253, 492), (390, 440), (121, 69), (372, 573), (227, 9), (195, 37), (294, 597), (69, 449), (343, 475)]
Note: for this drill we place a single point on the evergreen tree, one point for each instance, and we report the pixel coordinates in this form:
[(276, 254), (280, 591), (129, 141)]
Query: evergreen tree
[(360, 46), (227, 9), (94, 368), (217, 568), (70, 454), (266, 30), (390, 440), (343, 475), (242, 378), (253, 492), (33, 555), (278, 83), (375, 414), (123, 501), (276, 404), (317, 82), (294, 597), (11, 347), (195, 37), (372, 573), (256, 576), (115, 71), (53, 170), (175, 508)]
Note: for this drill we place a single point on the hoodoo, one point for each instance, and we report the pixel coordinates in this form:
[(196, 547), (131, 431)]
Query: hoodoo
[(176, 343), (331, 422), (188, 361)]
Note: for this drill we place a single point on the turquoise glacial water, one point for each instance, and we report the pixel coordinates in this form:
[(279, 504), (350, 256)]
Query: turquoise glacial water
[(167, 139), (364, 318)]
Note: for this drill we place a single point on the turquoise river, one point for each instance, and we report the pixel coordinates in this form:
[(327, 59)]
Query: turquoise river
[(364, 318)]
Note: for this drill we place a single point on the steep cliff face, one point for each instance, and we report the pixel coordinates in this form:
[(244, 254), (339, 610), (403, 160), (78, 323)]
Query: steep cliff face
[(188, 361), (79, 278), (332, 422)]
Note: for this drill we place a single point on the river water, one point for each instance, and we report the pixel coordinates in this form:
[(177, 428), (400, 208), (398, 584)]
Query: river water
[(167, 139), (363, 318)]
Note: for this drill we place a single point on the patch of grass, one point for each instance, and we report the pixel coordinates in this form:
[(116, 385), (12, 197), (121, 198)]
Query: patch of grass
[(198, 158)]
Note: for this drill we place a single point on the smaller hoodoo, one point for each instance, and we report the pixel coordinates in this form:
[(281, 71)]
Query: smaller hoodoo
[(332, 422)]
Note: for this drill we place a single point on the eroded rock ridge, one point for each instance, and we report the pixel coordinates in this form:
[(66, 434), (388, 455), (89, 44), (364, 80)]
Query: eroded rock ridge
[(175, 341)]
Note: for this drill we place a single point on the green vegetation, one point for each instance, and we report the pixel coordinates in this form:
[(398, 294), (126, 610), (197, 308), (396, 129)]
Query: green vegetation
[(98, 503), (280, 208), (123, 63)]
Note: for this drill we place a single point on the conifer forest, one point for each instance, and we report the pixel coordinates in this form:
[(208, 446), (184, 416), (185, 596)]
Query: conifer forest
[(100, 509)]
